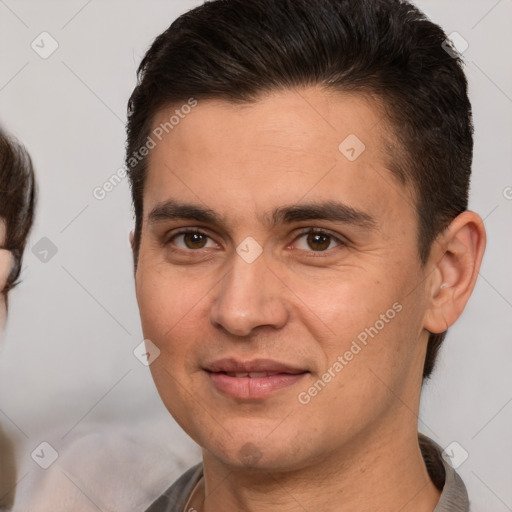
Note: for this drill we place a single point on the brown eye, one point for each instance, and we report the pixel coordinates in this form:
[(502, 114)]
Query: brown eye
[(189, 240), (314, 240), (194, 240), (319, 241)]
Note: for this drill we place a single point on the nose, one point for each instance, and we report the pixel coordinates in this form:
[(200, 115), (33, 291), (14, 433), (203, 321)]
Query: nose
[(249, 295)]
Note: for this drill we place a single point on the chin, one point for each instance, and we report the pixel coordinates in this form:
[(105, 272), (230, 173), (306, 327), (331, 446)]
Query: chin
[(252, 451)]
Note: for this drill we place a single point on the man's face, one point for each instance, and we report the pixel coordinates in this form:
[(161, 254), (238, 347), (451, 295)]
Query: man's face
[(217, 309)]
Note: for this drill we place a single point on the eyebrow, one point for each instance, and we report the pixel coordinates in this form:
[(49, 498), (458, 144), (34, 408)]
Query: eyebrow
[(327, 210)]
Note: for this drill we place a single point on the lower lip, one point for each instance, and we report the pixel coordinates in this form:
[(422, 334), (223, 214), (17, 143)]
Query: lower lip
[(253, 388)]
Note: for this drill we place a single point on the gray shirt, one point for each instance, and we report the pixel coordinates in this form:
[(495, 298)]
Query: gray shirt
[(454, 497)]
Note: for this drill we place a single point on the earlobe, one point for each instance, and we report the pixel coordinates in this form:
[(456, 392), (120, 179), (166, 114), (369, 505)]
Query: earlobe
[(459, 252)]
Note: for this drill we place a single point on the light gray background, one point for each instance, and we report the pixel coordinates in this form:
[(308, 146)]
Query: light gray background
[(67, 356)]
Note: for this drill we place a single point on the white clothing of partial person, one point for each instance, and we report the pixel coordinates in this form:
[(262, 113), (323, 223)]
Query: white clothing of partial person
[(105, 467)]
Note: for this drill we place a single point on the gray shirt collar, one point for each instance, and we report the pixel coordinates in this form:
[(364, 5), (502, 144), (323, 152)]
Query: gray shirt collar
[(454, 497)]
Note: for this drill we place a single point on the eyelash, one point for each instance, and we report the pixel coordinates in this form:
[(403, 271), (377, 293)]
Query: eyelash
[(307, 231)]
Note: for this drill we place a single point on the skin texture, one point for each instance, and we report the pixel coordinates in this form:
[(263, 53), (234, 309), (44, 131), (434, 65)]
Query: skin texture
[(356, 440)]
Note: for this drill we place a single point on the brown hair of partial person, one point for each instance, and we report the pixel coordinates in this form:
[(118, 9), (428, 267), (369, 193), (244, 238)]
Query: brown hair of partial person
[(17, 200), (17, 205), (386, 49)]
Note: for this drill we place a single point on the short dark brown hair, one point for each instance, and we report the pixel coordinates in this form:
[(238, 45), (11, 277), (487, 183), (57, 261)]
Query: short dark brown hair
[(238, 50), (17, 200)]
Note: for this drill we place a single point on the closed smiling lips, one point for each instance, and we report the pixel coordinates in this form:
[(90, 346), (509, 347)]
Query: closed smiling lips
[(252, 380), (252, 375)]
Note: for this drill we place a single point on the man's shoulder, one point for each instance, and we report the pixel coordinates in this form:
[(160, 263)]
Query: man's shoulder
[(175, 498)]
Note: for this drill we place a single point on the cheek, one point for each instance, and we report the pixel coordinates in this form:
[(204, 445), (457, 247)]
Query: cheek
[(171, 314), (339, 308), (170, 307), (160, 296), (373, 323)]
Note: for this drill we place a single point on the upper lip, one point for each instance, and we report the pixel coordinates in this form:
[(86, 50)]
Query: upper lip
[(255, 365)]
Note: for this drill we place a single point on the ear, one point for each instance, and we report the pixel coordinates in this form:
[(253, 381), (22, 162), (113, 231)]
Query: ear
[(457, 254), (132, 238)]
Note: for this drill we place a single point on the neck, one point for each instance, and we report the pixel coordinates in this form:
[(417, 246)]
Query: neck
[(389, 474)]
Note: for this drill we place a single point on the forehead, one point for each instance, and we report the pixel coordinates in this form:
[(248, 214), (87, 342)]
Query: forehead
[(243, 159)]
